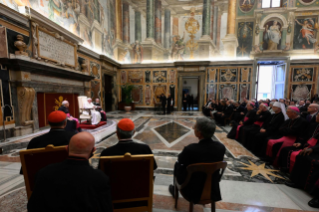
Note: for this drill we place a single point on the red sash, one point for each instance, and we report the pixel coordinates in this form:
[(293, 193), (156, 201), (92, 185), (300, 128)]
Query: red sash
[(312, 142), (287, 141), (239, 126), (259, 123)]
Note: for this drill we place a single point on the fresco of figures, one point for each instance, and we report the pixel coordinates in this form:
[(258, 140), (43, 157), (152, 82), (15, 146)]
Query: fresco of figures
[(305, 33), (272, 35), (77, 16)]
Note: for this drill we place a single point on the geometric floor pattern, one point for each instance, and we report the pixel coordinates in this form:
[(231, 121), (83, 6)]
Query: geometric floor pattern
[(242, 187)]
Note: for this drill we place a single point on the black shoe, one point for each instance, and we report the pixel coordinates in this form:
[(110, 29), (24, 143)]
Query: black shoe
[(171, 190), (314, 203), (291, 184), (284, 169)]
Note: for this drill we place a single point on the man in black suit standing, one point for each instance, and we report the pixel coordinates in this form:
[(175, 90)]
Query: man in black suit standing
[(205, 151), (57, 135), (163, 101), (125, 131), (72, 185), (170, 103)]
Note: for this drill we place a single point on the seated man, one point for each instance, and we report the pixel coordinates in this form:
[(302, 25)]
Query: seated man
[(291, 129), (125, 131), (248, 119), (220, 117), (258, 144), (96, 116), (65, 108), (287, 156), (57, 136), (312, 111), (248, 132), (99, 108), (72, 185), (205, 151)]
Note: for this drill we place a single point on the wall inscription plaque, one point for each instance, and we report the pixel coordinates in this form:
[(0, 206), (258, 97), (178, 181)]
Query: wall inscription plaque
[(55, 49)]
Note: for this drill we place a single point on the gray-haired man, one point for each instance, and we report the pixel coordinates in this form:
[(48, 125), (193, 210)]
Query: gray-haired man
[(205, 151)]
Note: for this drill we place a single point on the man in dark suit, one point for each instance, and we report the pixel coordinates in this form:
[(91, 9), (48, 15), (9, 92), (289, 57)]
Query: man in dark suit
[(170, 103), (205, 151), (64, 107), (57, 135), (163, 101), (125, 131), (72, 185)]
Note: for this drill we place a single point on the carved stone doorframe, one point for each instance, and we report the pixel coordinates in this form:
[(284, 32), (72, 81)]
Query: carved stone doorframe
[(201, 76)]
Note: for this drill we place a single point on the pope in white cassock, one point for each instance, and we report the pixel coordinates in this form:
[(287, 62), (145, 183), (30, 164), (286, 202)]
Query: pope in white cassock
[(96, 116)]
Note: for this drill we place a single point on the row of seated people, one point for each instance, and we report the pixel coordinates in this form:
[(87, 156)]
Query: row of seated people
[(74, 185), (281, 135), (73, 123)]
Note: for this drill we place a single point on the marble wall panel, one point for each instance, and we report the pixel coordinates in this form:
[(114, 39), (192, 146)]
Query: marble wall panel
[(148, 94), (211, 91), (159, 76), (135, 77), (245, 74), (147, 76), (123, 77), (212, 75), (244, 91), (245, 38), (95, 89), (137, 94), (95, 69), (302, 74), (228, 91), (228, 75), (301, 91), (158, 90), (172, 76)]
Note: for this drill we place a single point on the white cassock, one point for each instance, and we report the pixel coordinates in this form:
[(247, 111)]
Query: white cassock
[(96, 116)]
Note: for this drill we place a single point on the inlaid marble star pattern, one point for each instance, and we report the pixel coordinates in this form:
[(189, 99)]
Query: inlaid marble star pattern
[(260, 169)]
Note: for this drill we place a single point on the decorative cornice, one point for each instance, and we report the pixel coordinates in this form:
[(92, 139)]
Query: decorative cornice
[(86, 51), (50, 25), (109, 60), (14, 15)]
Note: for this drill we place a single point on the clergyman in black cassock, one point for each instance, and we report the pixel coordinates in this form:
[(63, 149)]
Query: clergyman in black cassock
[(291, 130), (57, 136), (258, 144), (248, 132), (247, 120), (205, 151), (184, 102), (72, 185), (125, 132)]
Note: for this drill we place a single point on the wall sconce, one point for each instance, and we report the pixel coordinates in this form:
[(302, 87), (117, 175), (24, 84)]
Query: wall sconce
[(257, 29)]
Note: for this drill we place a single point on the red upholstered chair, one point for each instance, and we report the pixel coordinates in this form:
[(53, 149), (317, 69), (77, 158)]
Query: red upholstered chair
[(131, 178), (33, 160), (209, 169)]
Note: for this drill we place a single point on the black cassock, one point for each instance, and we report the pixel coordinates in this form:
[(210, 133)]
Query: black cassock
[(64, 109), (305, 172), (259, 143), (295, 128), (72, 185), (248, 132), (285, 153), (228, 111), (250, 118)]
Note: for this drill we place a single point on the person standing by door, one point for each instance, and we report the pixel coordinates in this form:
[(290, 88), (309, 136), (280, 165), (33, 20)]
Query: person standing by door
[(163, 101), (170, 103), (184, 102), (191, 102)]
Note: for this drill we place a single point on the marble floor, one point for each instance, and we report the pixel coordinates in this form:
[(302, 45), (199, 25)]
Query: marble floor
[(167, 135)]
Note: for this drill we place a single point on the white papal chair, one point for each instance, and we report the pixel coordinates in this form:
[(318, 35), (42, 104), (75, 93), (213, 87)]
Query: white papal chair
[(82, 100)]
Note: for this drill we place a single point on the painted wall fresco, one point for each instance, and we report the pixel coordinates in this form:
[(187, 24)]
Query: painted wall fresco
[(305, 32), (78, 17), (149, 84), (245, 37)]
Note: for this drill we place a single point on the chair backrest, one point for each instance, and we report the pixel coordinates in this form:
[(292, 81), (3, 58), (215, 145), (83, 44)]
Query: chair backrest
[(131, 178), (32, 160), (82, 100), (209, 169)]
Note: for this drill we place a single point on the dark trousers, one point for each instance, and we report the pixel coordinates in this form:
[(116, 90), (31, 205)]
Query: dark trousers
[(184, 106), (169, 109), (163, 107), (284, 157)]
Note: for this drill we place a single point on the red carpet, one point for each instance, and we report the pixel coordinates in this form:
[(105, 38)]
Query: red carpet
[(85, 125)]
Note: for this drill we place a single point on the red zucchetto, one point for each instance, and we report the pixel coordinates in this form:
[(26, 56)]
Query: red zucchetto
[(126, 125), (56, 117)]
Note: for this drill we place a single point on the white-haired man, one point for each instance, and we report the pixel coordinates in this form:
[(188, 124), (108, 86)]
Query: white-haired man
[(96, 116), (65, 108)]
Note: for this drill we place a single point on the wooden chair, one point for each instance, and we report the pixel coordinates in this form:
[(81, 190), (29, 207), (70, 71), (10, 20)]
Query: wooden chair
[(33, 160), (209, 169), (131, 179)]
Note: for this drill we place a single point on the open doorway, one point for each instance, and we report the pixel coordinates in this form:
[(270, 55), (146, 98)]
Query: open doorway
[(270, 82), (191, 93)]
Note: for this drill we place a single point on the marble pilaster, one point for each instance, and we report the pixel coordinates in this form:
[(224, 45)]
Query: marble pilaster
[(150, 19), (126, 22), (215, 22), (206, 18), (138, 26), (167, 29), (158, 21), (118, 20), (230, 41)]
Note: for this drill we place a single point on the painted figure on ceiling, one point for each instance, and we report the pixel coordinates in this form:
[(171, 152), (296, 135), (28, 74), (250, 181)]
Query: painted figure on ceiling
[(70, 17), (55, 9), (178, 48), (306, 32), (272, 36), (10, 3), (138, 52)]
